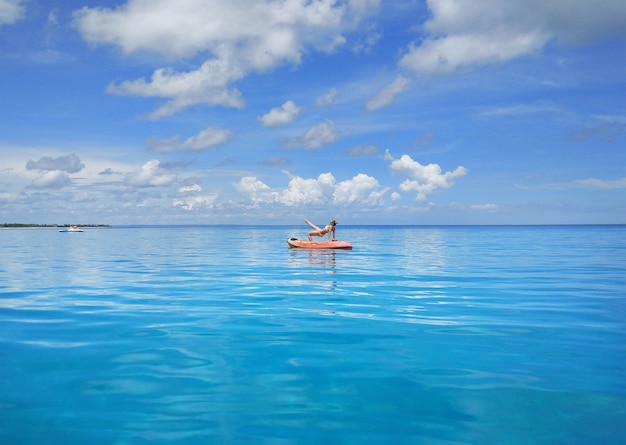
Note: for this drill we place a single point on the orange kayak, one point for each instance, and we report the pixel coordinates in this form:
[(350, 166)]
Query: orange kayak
[(334, 244)]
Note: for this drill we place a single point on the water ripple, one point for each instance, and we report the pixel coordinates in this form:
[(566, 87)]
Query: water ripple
[(217, 334)]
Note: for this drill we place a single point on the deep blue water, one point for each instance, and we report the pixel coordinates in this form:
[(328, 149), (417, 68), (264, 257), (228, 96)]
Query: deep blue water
[(420, 335)]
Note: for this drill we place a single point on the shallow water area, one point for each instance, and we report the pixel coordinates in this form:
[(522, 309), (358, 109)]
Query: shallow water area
[(215, 334)]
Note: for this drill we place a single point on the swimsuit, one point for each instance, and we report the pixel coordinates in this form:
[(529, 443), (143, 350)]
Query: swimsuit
[(324, 231)]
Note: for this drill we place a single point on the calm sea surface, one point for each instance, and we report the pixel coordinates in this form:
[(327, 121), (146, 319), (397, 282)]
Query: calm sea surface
[(224, 335)]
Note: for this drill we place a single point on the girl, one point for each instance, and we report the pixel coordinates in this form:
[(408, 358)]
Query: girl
[(330, 229)]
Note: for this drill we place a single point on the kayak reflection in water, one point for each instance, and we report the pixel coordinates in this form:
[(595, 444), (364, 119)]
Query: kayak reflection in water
[(329, 229)]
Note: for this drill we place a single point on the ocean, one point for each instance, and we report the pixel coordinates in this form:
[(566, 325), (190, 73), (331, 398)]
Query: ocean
[(223, 335)]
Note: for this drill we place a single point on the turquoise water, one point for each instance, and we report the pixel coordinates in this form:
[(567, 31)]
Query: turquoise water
[(420, 335)]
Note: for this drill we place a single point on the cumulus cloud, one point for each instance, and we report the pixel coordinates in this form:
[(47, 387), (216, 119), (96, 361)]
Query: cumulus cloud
[(308, 191), (207, 138), (240, 37), (54, 171), (387, 94), (321, 191), (283, 115), (315, 137), (11, 11), (423, 179), (360, 189), (195, 202), (463, 34), (53, 179), (151, 174), (257, 191), (69, 164)]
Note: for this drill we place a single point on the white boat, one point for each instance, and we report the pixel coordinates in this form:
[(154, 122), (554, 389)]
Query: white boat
[(72, 229)]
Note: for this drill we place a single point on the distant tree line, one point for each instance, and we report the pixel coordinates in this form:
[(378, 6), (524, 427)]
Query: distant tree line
[(21, 225)]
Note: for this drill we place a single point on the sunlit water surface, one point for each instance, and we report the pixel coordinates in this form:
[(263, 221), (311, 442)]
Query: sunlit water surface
[(429, 335)]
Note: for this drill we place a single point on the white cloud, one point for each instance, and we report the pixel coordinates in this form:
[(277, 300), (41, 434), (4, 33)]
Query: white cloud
[(9, 197), (190, 188), (164, 145), (365, 44), (250, 185), (466, 34), (207, 138), (603, 184), (387, 94), (448, 54), (255, 190), (150, 175), (240, 37), (485, 207), (327, 99), (423, 179), (521, 109), (311, 192), (11, 11), (283, 115), (361, 8), (301, 191), (54, 171), (53, 179), (195, 202), (315, 137), (207, 85), (362, 188)]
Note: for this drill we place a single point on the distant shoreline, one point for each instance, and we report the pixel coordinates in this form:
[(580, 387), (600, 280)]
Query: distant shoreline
[(52, 226)]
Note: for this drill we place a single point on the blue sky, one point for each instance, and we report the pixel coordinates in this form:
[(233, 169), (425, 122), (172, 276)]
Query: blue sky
[(367, 111)]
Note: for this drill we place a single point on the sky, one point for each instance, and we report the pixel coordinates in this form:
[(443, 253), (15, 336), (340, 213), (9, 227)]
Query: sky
[(267, 111)]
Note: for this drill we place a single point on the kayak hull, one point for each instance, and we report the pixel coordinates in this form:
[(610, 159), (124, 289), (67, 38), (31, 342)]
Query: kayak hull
[(303, 244)]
